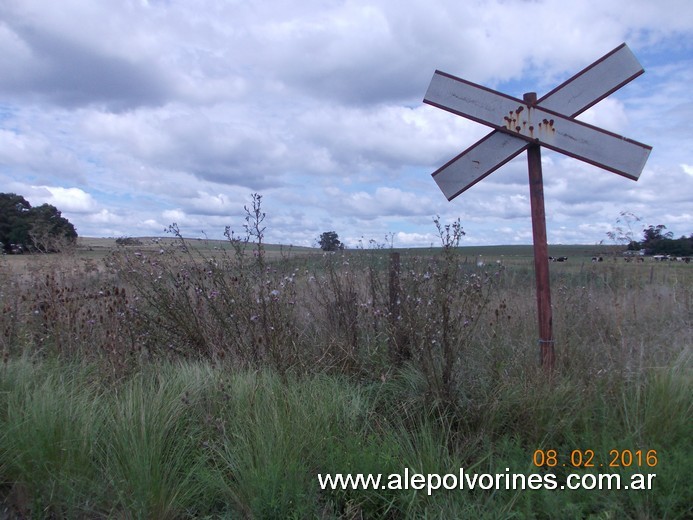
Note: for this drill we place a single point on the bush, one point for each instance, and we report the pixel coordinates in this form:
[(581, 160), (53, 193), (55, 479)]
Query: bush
[(128, 241)]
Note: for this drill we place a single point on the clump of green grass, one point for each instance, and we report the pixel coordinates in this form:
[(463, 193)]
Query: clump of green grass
[(191, 439), (150, 450), (50, 430), (274, 436)]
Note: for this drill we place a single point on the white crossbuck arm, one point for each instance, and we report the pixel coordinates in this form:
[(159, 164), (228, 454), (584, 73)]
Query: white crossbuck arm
[(549, 122)]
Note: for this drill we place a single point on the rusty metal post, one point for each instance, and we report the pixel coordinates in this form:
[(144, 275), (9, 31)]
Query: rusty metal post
[(541, 250)]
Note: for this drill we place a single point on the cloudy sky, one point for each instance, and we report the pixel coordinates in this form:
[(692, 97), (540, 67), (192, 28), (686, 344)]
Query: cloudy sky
[(129, 115)]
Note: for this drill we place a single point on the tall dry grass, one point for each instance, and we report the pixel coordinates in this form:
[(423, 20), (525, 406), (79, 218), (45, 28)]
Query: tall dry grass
[(186, 381)]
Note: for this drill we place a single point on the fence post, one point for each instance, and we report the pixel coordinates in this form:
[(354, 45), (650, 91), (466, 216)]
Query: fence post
[(397, 347)]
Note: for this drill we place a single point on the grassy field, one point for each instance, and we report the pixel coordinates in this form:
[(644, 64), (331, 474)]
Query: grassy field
[(186, 379), (104, 246)]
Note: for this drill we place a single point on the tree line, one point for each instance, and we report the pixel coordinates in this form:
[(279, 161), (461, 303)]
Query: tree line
[(24, 228), (658, 241)]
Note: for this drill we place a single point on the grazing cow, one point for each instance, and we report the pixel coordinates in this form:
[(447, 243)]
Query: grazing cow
[(562, 259)]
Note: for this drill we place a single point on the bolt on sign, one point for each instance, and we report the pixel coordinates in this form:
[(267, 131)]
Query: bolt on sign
[(528, 124)]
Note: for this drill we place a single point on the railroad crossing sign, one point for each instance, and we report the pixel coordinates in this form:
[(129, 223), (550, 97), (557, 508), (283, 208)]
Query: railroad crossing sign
[(528, 124), (549, 123)]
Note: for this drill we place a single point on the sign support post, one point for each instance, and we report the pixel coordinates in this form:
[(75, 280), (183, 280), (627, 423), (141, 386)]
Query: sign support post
[(541, 249)]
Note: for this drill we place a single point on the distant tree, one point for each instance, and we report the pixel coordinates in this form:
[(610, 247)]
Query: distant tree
[(329, 241), (14, 226), (128, 241), (679, 247), (658, 241), (653, 239), (50, 231), (654, 233), (42, 228)]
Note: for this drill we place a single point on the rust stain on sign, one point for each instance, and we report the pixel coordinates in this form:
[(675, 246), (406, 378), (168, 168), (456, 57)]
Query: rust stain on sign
[(527, 124)]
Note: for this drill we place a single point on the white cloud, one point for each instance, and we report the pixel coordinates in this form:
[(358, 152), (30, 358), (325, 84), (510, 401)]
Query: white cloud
[(103, 217), (318, 105), (72, 201), (174, 215), (69, 200), (403, 239)]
